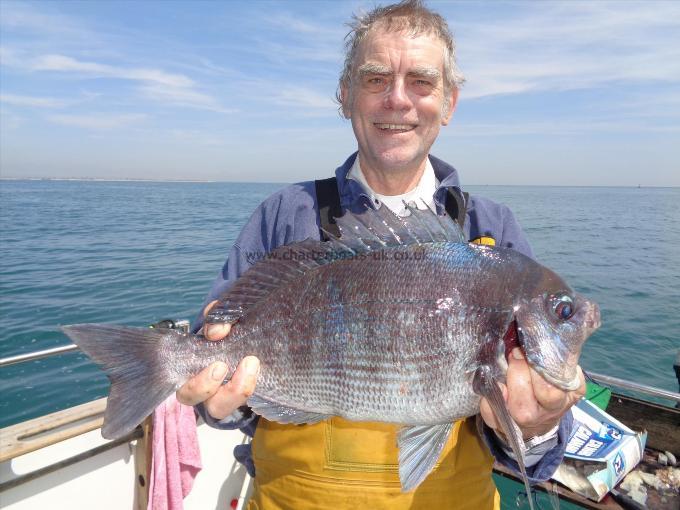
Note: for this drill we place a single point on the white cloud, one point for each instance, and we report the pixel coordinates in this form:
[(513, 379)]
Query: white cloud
[(32, 101), (18, 17), (182, 96), (67, 64), (303, 97), (156, 84), (574, 45), (98, 121), (9, 57), (292, 24), (299, 41), (561, 128)]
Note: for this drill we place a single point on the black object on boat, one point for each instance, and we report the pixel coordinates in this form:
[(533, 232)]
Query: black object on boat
[(676, 367)]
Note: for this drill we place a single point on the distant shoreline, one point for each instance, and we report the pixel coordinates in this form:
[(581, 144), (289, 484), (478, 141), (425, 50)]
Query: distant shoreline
[(95, 179), (198, 181)]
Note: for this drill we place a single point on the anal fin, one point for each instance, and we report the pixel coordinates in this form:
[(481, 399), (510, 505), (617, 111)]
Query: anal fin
[(419, 449), (274, 411)]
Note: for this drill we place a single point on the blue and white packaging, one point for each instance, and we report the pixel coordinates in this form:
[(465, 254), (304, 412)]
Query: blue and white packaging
[(600, 452)]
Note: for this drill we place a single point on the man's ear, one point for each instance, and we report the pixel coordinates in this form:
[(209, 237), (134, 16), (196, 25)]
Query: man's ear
[(345, 98), (453, 99)]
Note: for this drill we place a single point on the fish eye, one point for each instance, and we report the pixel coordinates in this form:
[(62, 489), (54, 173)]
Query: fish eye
[(564, 307)]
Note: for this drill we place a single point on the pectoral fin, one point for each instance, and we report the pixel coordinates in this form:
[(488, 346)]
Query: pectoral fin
[(486, 386), (419, 450), (273, 411)]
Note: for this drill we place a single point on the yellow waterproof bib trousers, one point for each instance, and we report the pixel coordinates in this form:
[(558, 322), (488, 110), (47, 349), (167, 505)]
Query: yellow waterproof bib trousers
[(338, 464)]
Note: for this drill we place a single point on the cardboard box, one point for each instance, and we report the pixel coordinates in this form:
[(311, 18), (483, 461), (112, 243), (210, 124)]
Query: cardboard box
[(600, 452)]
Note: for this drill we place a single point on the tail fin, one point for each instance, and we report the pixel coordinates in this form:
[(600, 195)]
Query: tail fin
[(141, 378)]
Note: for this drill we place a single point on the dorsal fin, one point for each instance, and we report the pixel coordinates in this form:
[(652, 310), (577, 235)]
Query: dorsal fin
[(381, 228), (360, 233), (444, 228)]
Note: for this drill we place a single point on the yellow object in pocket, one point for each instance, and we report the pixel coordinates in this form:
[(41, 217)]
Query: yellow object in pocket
[(484, 240)]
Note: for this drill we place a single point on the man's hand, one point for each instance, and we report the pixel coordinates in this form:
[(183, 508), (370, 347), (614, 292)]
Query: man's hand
[(536, 405), (220, 400)]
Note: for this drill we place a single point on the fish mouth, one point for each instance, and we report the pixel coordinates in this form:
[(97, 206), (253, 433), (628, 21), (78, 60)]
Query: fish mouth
[(593, 320), (514, 338)]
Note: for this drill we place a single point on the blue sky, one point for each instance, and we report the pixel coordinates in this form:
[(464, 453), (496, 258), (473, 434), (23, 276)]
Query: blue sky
[(566, 93)]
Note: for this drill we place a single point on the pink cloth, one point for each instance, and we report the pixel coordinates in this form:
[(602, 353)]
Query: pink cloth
[(176, 458)]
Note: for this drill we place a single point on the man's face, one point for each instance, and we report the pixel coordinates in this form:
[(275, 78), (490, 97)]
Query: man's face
[(397, 100)]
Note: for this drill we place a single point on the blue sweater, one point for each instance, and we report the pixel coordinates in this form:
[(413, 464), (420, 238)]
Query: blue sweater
[(290, 215)]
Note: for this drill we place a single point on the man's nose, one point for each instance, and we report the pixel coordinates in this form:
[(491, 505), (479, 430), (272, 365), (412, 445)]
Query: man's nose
[(397, 98)]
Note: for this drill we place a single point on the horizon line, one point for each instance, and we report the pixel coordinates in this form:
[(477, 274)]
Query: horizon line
[(210, 181)]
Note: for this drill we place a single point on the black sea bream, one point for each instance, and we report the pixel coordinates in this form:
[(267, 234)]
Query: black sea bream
[(398, 320)]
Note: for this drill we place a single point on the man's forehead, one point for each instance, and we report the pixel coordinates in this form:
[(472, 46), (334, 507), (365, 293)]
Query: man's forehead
[(377, 44)]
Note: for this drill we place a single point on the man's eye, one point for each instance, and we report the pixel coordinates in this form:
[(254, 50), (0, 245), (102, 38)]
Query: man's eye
[(375, 83)]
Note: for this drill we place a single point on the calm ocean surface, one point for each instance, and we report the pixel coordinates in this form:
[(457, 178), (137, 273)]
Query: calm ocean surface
[(138, 252)]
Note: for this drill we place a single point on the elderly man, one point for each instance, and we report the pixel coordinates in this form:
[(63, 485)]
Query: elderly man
[(398, 87)]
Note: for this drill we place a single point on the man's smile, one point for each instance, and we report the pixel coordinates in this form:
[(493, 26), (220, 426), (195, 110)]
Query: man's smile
[(395, 128)]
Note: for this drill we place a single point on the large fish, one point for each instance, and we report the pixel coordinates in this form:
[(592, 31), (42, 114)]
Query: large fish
[(398, 320)]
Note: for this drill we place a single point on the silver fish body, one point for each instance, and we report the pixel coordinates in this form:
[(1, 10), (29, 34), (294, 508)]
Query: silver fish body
[(379, 339), (383, 337), (398, 320)]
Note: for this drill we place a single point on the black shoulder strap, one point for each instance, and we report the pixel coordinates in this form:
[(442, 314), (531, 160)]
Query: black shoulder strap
[(456, 205), (328, 201)]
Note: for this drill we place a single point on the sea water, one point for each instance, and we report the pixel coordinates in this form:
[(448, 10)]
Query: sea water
[(134, 253)]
